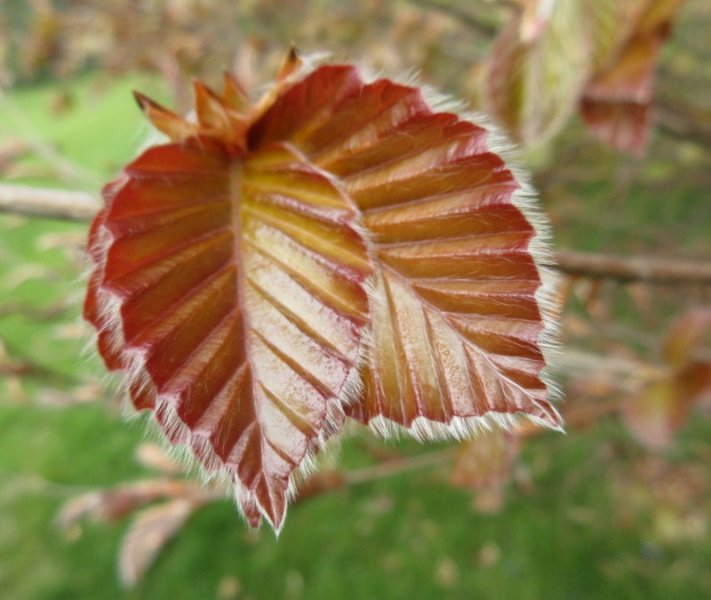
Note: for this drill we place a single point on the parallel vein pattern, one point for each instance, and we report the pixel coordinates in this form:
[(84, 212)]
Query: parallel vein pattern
[(456, 323), (231, 291), (337, 248)]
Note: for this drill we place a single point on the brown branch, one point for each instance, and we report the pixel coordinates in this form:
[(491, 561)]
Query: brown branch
[(81, 206), (65, 168), (328, 481), (52, 204), (632, 268)]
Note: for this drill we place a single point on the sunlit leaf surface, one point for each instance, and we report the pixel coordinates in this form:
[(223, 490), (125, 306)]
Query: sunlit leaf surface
[(456, 325), (340, 246)]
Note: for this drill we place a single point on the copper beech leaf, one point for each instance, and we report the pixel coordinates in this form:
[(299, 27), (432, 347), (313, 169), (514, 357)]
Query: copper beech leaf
[(660, 409), (339, 246), (151, 530), (457, 324)]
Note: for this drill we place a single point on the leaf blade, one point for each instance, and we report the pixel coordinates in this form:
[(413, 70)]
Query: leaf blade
[(422, 372), (188, 288)]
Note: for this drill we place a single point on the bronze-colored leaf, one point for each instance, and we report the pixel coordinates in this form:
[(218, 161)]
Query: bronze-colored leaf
[(534, 81), (655, 414), (252, 272), (597, 55), (456, 302), (230, 289), (617, 102)]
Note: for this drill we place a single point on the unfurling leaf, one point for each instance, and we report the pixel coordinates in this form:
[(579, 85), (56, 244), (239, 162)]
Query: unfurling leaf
[(115, 503), (534, 81), (338, 248), (594, 55)]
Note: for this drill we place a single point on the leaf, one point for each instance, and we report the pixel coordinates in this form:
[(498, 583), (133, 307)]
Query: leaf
[(686, 336), (686, 350), (486, 460), (617, 102), (250, 274), (231, 292), (147, 535), (534, 81), (622, 125), (115, 503), (456, 321), (594, 55), (654, 415)]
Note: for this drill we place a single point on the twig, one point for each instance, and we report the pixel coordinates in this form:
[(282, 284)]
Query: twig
[(32, 368), (80, 206), (53, 204), (30, 312), (632, 268), (580, 362), (328, 481)]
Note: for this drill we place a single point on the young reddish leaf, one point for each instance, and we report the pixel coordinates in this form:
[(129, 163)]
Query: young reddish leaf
[(598, 55), (115, 503), (620, 124), (686, 336), (455, 304), (655, 414), (229, 287), (685, 350), (617, 102), (231, 264)]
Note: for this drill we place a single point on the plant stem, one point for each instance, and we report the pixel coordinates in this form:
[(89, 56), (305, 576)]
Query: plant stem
[(48, 203), (81, 206), (632, 268)]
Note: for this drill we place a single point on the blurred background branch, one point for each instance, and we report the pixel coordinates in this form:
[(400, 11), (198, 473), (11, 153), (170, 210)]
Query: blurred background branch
[(80, 206)]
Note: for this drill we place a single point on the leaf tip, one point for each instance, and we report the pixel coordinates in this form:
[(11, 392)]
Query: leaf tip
[(163, 119), (291, 63)]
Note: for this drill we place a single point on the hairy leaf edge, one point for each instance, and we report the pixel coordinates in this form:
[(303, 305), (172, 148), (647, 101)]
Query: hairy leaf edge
[(540, 247)]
